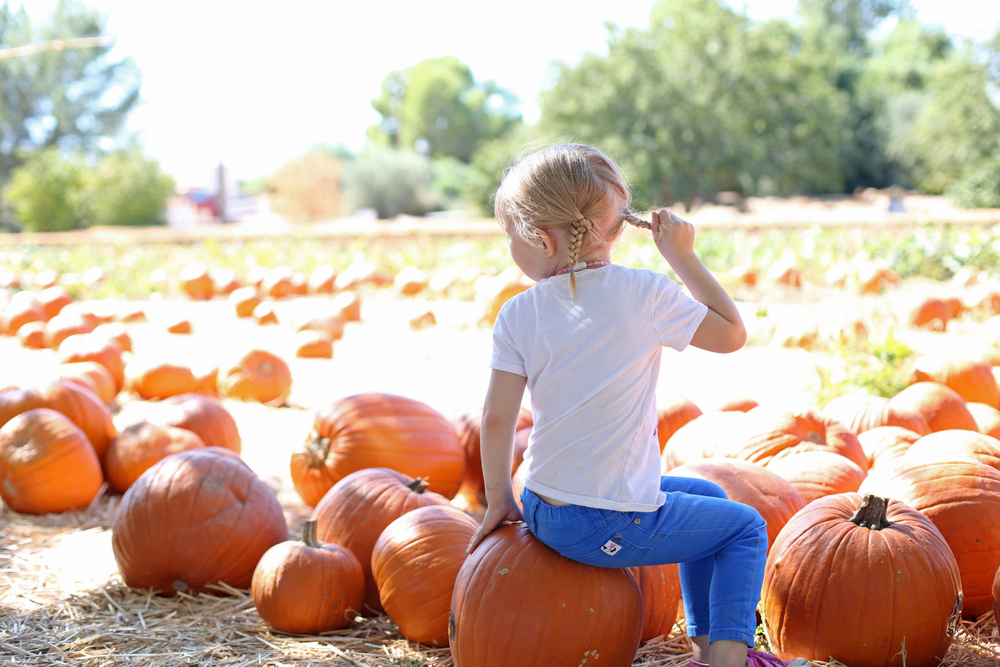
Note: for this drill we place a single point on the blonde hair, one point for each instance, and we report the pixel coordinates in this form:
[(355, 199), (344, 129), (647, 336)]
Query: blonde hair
[(570, 186)]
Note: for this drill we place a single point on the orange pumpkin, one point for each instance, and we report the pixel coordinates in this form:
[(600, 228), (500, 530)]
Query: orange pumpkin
[(194, 520), (47, 464), (860, 411), (264, 313), (117, 331), (941, 406), (930, 313), (962, 499), (313, 345), (969, 375), (78, 403), (139, 446), (245, 300), (205, 416), (987, 418), (818, 474), (414, 564), (258, 376), (62, 326), (88, 347), (751, 484), (839, 555), (673, 414), (93, 375), (331, 324), (179, 325), (589, 612), (153, 378), (359, 507), (32, 335), (54, 299), (701, 437), (321, 279), (958, 444), (224, 281), (20, 311), (307, 587), (768, 433), (377, 430), (348, 304), (196, 281), (883, 444), (277, 283), (661, 593), (467, 427)]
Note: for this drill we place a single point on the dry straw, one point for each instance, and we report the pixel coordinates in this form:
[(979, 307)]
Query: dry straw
[(63, 603)]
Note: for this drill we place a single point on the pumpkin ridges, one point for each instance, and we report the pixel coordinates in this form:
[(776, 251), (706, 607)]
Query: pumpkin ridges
[(141, 445)]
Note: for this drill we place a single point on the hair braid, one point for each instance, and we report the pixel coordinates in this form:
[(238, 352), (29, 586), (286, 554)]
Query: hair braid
[(576, 232), (631, 218)]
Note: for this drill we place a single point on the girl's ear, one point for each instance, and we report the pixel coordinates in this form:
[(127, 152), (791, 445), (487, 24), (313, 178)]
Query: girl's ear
[(548, 242)]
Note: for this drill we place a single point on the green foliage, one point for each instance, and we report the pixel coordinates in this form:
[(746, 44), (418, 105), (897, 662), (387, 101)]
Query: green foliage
[(437, 108), (389, 181), (57, 191), (125, 188), (876, 366), (43, 192), (73, 98), (452, 179), (705, 100)]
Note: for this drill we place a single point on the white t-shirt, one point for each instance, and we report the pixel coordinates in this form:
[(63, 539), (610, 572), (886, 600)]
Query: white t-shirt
[(592, 366)]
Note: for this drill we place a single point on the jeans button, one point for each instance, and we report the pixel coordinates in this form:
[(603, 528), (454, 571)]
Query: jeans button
[(636, 521), (618, 538)]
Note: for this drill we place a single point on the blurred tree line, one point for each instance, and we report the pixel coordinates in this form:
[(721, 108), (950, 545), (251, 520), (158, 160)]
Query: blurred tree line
[(63, 161), (705, 100)]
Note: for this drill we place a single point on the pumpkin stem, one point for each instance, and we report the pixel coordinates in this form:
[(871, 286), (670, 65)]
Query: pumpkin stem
[(872, 513), (419, 485), (318, 448), (309, 534)]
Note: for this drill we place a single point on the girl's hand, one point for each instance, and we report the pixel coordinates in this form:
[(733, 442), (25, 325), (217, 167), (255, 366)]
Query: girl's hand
[(496, 516), (674, 236)]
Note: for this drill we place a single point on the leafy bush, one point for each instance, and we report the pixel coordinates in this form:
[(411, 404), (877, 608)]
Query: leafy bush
[(44, 190), (307, 189), (125, 188), (389, 181)]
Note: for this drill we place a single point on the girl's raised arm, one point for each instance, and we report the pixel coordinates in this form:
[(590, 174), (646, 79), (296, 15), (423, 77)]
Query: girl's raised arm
[(503, 402), (722, 330)]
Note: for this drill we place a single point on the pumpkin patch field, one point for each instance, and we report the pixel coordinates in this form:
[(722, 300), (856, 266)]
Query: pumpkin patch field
[(228, 447)]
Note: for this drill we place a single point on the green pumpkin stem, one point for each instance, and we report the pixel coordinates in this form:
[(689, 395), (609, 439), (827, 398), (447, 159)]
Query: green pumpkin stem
[(872, 513), (419, 485), (309, 534)]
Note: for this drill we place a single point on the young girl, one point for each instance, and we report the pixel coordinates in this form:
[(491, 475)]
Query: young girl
[(586, 341)]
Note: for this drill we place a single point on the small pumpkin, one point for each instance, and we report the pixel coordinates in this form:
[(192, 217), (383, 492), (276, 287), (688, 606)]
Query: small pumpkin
[(155, 378), (321, 279), (196, 281), (62, 326), (313, 345), (839, 558), (414, 564), (245, 300), (359, 507), (307, 587), (88, 347), (193, 520), (47, 464), (584, 611), (940, 405), (258, 376), (883, 444), (377, 430), (141, 445)]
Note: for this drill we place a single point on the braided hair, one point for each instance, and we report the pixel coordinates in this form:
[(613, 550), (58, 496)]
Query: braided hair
[(571, 186)]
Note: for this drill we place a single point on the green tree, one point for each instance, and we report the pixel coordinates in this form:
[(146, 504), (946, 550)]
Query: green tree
[(391, 182), (437, 108), (705, 100), (44, 191), (856, 19), (125, 188), (73, 98)]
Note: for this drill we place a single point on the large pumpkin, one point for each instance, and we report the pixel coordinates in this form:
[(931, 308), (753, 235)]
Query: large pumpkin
[(884, 444), (962, 499), (818, 474), (139, 446), (867, 582), (861, 412), (941, 406), (47, 464), (751, 484), (71, 399), (414, 564), (671, 415), (204, 415), (194, 520), (969, 375), (661, 593), (771, 432), (307, 587), (91, 347), (518, 602), (958, 443), (356, 510), (701, 437), (987, 418), (378, 430), (467, 427), (92, 375), (153, 378)]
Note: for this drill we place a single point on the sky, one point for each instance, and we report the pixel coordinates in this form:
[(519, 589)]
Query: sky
[(254, 84)]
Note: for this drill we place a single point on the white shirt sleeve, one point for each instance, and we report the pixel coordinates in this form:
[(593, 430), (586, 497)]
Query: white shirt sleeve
[(505, 355), (676, 316)]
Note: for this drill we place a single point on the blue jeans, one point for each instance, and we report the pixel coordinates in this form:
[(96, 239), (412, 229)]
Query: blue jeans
[(720, 545)]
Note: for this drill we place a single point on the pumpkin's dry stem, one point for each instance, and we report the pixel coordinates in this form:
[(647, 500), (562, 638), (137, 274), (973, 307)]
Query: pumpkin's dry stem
[(872, 513), (309, 534), (318, 448), (419, 485)]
